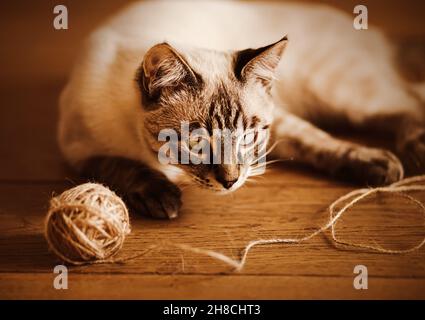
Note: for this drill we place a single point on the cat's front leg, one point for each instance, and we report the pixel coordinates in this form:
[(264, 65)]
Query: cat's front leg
[(144, 190), (308, 144)]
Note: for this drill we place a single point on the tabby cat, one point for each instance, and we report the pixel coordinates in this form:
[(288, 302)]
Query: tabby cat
[(157, 64)]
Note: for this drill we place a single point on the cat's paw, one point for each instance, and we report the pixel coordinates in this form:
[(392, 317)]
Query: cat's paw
[(371, 166), (412, 150), (160, 198)]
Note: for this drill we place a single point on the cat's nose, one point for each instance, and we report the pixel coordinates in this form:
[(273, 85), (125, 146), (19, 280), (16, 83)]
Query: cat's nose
[(229, 184), (226, 174)]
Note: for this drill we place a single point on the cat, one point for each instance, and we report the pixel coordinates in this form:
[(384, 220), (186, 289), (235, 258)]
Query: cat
[(158, 63)]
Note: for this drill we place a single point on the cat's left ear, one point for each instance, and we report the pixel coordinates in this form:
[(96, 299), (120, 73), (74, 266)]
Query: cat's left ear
[(259, 64), (162, 69)]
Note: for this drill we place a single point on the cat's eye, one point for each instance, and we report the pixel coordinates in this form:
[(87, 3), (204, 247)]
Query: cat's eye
[(199, 146), (249, 139), (198, 138), (197, 141)]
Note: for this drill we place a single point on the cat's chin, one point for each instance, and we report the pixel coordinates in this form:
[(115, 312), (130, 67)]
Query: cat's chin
[(209, 185), (214, 190), (223, 191)]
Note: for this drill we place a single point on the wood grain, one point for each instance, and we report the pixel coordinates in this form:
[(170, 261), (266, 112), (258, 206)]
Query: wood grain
[(288, 204), (136, 286)]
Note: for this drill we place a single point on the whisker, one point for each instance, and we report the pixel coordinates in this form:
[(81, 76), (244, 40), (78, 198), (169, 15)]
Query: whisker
[(270, 162), (260, 169), (254, 174), (272, 147)]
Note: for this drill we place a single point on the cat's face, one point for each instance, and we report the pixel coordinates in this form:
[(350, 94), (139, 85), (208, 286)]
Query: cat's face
[(218, 107)]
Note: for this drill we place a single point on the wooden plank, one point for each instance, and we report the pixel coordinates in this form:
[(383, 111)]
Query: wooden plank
[(134, 286), (289, 204)]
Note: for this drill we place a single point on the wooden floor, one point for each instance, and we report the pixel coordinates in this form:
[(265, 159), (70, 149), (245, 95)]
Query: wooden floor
[(287, 202)]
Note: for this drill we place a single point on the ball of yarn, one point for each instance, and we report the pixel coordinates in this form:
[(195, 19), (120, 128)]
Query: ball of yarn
[(86, 224)]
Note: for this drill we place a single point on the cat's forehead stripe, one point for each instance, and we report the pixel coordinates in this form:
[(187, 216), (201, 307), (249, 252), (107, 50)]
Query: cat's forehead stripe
[(254, 121), (219, 121), (236, 117), (226, 108)]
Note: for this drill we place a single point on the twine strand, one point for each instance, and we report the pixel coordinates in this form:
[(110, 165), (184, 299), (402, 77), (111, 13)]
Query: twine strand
[(353, 197)]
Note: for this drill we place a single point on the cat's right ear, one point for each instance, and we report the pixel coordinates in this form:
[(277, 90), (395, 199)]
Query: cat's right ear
[(259, 64), (163, 68)]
